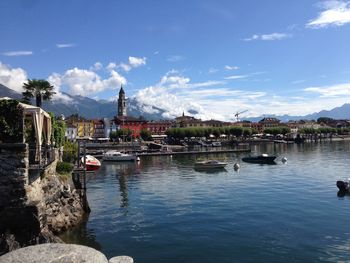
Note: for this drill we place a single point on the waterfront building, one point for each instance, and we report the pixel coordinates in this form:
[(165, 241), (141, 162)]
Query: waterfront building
[(99, 129), (159, 127), (182, 121), (135, 125), (294, 127), (71, 132), (270, 122), (191, 122), (85, 129)]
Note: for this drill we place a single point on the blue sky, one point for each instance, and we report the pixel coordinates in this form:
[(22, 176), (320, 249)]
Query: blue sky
[(210, 57)]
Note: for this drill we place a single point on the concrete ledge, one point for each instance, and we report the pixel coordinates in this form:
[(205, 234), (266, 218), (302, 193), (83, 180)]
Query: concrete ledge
[(54, 253)]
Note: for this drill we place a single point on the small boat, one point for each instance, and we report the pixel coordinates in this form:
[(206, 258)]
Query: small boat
[(113, 155), (209, 164), (263, 158), (343, 186), (92, 164), (216, 144)]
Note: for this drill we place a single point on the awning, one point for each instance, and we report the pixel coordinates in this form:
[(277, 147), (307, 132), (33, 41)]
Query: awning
[(41, 121)]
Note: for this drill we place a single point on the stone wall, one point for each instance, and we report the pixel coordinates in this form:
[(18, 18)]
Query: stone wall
[(13, 174), (31, 212)]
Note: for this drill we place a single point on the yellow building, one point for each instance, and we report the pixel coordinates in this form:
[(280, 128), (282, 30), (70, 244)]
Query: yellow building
[(85, 129)]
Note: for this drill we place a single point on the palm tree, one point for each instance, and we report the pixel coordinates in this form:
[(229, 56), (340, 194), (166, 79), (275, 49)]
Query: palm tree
[(40, 89)]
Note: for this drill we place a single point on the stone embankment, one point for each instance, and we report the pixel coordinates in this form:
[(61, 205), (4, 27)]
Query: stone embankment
[(33, 211), (58, 203)]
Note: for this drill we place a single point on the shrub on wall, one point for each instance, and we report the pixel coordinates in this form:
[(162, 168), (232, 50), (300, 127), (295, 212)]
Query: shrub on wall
[(64, 167), (11, 121)]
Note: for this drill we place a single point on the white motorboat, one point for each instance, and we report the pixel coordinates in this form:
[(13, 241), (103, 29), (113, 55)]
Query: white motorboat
[(209, 164), (113, 155)]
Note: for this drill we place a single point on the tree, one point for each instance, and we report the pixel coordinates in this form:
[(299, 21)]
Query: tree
[(146, 135), (324, 120), (38, 88), (58, 130)]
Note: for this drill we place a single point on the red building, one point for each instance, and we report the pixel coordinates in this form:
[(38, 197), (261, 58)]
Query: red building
[(131, 123)]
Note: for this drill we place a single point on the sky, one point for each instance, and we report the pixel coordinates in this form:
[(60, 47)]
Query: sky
[(209, 58)]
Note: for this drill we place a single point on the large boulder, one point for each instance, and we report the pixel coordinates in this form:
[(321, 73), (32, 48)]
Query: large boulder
[(54, 253)]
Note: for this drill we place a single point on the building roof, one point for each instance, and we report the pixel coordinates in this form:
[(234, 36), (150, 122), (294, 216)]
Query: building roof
[(121, 91), (269, 119)]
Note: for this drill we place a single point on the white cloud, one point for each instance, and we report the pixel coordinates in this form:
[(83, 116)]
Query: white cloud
[(111, 66), (133, 62), (236, 77), (55, 81), (97, 66), (335, 13), (86, 82), (268, 37), (175, 58), (18, 53), (125, 67), (227, 67), (13, 78), (137, 62), (213, 99), (173, 94), (65, 45), (337, 90)]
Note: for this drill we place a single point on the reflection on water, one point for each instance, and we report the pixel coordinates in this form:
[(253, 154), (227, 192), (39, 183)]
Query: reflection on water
[(163, 210), (74, 236)]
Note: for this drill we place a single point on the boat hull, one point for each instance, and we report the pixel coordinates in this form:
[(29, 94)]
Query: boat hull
[(260, 159), (115, 156), (119, 159), (92, 167), (209, 165), (343, 186)]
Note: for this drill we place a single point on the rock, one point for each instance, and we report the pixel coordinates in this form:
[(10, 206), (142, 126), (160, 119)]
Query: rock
[(121, 259), (55, 253), (49, 211)]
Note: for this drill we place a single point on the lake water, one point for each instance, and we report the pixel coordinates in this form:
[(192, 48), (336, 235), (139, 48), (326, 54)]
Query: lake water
[(162, 210)]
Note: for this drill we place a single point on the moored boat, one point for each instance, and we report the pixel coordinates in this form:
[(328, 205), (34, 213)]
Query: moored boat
[(209, 164), (113, 155), (92, 164), (263, 158), (343, 186), (216, 144)]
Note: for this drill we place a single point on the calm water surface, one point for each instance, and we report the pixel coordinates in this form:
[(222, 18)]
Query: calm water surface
[(162, 210)]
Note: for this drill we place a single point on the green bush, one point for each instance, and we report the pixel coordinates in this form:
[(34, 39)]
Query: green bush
[(11, 120), (64, 168)]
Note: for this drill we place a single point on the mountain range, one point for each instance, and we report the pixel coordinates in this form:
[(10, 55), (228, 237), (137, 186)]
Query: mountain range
[(90, 108)]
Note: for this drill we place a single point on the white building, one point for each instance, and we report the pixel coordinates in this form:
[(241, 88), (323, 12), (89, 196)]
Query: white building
[(71, 133)]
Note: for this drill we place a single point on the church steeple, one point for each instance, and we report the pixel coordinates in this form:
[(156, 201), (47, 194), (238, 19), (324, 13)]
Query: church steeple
[(121, 102)]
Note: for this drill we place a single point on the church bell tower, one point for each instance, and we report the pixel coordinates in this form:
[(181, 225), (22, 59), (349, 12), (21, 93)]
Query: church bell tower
[(121, 103)]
